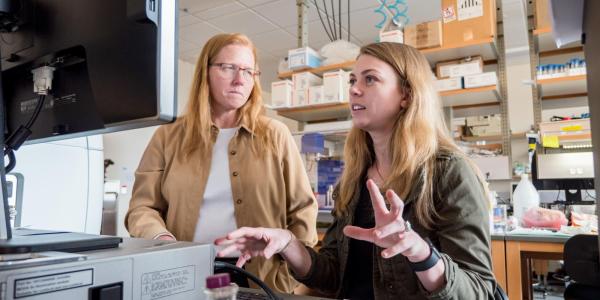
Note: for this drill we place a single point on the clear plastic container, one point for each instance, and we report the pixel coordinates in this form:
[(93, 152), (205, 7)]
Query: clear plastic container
[(219, 287), (525, 197)]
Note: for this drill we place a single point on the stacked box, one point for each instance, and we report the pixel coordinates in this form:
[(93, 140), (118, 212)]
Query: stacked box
[(281, 93), (302, 82), (336, 87), (303, 58)]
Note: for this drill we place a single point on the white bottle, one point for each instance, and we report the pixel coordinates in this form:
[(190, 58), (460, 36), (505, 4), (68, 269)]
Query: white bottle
[(525, 197)]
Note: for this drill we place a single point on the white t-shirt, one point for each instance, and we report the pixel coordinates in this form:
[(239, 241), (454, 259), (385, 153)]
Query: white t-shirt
[(216, 217)]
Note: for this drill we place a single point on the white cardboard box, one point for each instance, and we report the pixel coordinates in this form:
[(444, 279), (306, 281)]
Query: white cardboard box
[(300, 97), (315, 94), (394, 36), (303, 58), (478, 80), (281, 93), (304, 80), (335, 86), (448, 84)]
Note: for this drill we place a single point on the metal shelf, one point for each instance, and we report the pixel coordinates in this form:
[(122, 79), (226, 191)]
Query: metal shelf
[(563, 87), (316, 112), (486, 94)]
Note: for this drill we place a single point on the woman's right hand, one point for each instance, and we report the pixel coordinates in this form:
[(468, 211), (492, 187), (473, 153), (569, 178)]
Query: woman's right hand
[(252, 242)]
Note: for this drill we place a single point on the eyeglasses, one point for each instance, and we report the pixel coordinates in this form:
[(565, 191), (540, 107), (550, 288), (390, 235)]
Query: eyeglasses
[(231, 70)]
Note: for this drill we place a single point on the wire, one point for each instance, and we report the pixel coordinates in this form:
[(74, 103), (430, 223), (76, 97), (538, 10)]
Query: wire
[(38, 108), (334, 22), (321, 18), (348, 20), (227, 266), (334, 30), (340, 17), (589, 195)]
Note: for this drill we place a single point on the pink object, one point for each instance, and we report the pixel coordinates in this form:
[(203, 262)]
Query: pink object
[(544, 218), (217, 281)]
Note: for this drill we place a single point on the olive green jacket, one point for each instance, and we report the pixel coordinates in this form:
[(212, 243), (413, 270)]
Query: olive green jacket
[(461, 235)]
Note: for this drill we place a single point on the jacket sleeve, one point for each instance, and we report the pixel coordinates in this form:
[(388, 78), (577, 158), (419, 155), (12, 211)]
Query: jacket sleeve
[(300, 201), (147, 208), (463, 235), (324, 274)]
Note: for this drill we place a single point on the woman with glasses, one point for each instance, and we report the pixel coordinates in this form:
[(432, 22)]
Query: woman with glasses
[(433, 245), (224, 165)]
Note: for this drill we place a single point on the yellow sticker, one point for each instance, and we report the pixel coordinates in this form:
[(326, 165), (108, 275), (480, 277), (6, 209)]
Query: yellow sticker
[(550, 141), (572, 128)]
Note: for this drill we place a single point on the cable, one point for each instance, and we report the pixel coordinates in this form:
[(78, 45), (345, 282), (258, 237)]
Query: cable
[(335, 30), (328, 21), (340, 17), (230, 267), (321, 18), (348, 20)]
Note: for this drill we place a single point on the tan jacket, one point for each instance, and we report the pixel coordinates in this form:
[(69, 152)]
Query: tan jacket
[(272, 191)]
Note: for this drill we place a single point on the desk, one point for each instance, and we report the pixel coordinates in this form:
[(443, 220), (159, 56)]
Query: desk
[(520, 250)]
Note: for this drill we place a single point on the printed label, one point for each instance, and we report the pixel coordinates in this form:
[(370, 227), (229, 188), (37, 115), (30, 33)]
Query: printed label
[(31, 286), (168, 282), (469, 9)]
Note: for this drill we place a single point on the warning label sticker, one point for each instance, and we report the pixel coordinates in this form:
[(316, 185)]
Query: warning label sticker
[(165, 283), (27, 287)]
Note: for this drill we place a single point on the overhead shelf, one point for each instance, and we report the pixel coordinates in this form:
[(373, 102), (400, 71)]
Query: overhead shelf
[(347, 65), (316, 112), (491, 138), (566, 87), (486, 94), (486, 48)]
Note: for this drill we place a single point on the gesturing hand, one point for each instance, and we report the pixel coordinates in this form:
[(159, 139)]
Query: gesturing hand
[(252, 242), (390, 231)]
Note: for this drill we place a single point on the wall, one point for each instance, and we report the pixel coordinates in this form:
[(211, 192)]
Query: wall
[(125, 148)]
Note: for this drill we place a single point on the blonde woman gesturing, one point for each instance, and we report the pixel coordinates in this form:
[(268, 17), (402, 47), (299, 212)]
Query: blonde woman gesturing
[(433, 245)]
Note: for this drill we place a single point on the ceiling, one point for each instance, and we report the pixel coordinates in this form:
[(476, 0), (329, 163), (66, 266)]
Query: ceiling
[(272, 25)]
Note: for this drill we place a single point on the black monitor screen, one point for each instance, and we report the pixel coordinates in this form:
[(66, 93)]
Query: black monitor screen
[(114, 61)]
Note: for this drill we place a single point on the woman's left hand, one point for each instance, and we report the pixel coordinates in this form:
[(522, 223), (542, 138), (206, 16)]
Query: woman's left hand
[(390, 230)]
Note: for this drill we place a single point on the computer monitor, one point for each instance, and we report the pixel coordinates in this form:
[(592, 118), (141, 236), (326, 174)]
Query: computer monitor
[(113, 68), (572, 173)]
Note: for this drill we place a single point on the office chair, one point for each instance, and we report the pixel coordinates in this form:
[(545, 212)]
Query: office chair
[(582, 267)]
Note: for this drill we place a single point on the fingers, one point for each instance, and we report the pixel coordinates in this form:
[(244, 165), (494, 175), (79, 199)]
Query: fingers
[(403, 244), (358, 233), (246, 232), (270, 249), (396, 226), (242, 260), (396, 203), (376, 198), (228, 250)]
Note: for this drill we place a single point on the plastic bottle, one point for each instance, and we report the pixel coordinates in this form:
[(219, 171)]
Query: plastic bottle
[(525, 197), (219, 287)]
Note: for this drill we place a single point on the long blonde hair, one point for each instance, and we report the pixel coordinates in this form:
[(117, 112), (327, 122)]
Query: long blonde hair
[(197, 119), (419, 135)]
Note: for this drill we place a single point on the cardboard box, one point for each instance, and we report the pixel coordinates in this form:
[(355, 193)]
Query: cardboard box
[(304, 80), (335, 86), (394, 36), (448, 84), (459, 67), (478, 80), (464, 24), (485, 130), (493, 119), (303, 58), (424, 35), (316, 94), (300, 97), (281, 93), (542, 15)]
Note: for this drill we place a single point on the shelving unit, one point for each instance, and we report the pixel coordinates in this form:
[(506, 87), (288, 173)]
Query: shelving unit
[(316, 112), (486, 48), (320, 70), (472, 96), (563, 87)]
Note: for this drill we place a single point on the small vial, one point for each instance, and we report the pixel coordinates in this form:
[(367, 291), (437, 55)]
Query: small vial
[(219, 287)]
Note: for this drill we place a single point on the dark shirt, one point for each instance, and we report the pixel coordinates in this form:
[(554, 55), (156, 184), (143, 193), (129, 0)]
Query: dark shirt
[(359, 275)]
